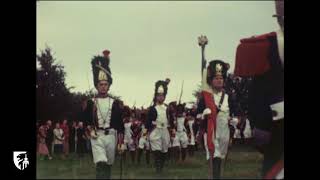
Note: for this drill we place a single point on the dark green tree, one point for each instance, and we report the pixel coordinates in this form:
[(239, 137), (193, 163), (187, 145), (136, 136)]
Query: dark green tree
[(54, 99), (53, 96)]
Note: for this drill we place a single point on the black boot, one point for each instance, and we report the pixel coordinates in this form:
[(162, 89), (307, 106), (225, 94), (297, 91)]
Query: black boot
[(216, 168), (100, 170), (192, 150), (177, 153), (157, 161), (107, 172), (124, 156), (139, 155), (162, 160), (132, 153), (148, 156), (184, 153)]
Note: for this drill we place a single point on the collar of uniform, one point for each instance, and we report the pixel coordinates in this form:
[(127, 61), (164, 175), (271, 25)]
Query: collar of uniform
[(161, 105), (217, 93), (102, 97)]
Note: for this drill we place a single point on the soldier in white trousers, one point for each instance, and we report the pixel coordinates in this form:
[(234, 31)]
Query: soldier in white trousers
[(181, 130), (144, 144), (191, 131), (157, 125), (214, 109), (104, 114)]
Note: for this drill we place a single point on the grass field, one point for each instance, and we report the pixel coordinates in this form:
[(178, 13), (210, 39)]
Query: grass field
[(243, 162)]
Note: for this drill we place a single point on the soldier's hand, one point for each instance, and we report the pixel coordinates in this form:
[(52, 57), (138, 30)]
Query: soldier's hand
[(234, 121), (206, 112), (93, 134)]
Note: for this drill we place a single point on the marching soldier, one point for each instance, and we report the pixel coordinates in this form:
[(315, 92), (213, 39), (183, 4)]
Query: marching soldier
[(172, 118), (104, 114), (144, 143), (136, 132), (174, 146), (181, 130), (128, 134), (191, 130), (214, 109), (157, 125)]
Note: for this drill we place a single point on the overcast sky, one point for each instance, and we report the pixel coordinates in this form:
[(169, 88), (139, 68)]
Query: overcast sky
[(149, 41)]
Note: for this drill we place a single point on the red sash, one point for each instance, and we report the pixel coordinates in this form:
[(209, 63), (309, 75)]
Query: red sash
[(211, 123), (275, 170)]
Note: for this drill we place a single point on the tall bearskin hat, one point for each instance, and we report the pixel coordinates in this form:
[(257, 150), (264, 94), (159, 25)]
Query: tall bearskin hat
[(161, 87), (143, 116), (126, 112), (181, 108), (192, 112), (100, 68), (280, 12), (173, 105), (217, 67), (279, 8)]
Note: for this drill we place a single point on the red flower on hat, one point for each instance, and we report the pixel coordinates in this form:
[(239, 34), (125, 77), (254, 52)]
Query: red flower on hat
[(106, 53)]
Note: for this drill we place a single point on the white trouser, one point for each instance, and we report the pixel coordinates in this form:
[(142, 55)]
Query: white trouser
[(220, 146), (183, 138), (206, 146), (129, 142), (160, 139), (144, 143), (104, 147), (192, 140), (175, 141)]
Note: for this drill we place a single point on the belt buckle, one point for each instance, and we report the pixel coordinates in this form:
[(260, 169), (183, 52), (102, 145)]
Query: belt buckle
[(106, 131)]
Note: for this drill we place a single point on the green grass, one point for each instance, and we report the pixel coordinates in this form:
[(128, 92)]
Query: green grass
[(243, 163)]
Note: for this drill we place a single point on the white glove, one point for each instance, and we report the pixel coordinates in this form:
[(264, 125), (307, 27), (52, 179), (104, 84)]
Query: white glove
[(93, 134), (234, 121), (206, 112)]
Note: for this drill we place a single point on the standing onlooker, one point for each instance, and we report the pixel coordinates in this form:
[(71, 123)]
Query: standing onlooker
[(42, 147), (65, 129), (88, 137), (58, 139), (72, 137), (81, 142), (49, 137)]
